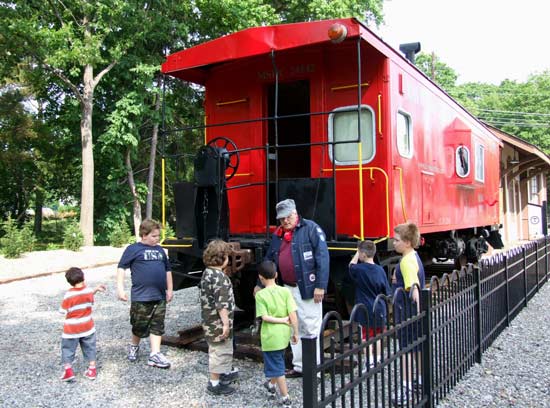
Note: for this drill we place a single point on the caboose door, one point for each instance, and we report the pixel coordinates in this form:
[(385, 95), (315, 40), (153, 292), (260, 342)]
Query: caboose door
[(292, 100)]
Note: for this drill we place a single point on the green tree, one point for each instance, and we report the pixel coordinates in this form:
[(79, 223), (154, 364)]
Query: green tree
[(73, 43), (436, 70), (18, 154), (519, 108)]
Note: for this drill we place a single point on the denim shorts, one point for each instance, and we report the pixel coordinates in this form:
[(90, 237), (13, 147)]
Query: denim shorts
[(87, 344), (274, 363), (147, 318)]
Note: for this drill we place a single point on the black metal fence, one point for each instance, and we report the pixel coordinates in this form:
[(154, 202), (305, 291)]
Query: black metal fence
[(417, 357)]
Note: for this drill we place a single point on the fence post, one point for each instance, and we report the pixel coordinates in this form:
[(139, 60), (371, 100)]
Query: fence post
[(507, 290), (309, 371), (537, 264), (546, 255), (477, 272), (427, 347), (524, 252)]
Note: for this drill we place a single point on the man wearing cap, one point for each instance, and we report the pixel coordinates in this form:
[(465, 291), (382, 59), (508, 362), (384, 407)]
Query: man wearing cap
[(299, 249)]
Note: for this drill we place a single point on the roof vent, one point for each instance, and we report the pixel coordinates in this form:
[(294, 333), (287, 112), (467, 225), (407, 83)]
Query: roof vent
[(410, 50)]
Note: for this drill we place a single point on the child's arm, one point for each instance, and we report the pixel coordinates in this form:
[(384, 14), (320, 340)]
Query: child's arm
[(224, 315), (169, 286), (120, 285), (294, 323), (355, 258), (271, 319), (100, 288)]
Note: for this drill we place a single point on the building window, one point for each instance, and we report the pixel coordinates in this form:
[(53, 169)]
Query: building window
[(404, 134), (480, 162), (462, 161), (534, 184), (343, 126)]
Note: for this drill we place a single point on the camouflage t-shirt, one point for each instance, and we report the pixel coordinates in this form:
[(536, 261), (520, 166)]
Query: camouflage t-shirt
[(216, 293)]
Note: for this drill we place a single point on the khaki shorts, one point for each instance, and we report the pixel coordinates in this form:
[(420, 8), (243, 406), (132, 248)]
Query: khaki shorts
[(220, 356)]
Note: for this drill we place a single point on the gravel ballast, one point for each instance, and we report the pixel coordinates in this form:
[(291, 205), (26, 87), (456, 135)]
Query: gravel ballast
[(515, 371), (31, 326)]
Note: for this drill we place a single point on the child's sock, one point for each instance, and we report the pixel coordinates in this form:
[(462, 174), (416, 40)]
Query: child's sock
[(214, 382)]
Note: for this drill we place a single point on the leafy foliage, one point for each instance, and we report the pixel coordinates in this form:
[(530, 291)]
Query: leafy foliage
[(72, 237), (520, 109), (16, 240), (120, 235), (436, 70)]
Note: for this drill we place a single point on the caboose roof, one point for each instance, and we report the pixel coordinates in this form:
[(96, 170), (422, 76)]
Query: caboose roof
[(193, 63)]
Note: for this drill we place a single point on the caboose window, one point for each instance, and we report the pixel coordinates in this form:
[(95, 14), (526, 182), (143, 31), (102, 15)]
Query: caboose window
[(342, 127), (480, 162), (404, 134), (462, 161)]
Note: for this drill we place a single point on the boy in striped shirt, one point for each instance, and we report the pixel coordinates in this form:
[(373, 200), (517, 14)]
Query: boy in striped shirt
[(78, 327)]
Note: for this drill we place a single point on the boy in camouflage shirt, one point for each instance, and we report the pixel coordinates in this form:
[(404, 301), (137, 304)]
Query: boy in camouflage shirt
[(217, 306)]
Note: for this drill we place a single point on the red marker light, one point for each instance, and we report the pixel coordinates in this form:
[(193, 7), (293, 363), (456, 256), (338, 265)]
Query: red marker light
[(337, 33)]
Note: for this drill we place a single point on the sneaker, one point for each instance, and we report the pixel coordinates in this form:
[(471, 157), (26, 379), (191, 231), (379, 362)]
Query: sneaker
[(91, 373), (286, 402), (158, 360), (68, 375), (133, 351), (220, 389), (270, 388), (230, 377)]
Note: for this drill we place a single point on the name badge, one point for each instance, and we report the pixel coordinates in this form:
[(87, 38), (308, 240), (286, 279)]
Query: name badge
[(308, 255)]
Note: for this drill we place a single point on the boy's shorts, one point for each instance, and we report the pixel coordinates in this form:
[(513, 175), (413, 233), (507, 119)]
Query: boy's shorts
[(87, 344), (147, 318), (372, 331), (274, 363), (220, 356)]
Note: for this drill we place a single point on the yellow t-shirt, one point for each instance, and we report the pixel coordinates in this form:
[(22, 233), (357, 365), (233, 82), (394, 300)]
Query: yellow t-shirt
[(409, 270)]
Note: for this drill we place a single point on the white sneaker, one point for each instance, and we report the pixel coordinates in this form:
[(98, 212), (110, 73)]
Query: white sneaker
[(158, 360)]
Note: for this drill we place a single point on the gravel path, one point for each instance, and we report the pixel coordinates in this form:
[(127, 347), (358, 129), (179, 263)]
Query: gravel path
[(30, 330), (515, 371)]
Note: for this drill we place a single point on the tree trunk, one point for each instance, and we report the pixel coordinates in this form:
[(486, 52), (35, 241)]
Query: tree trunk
[(137, 205), (152, 162), (39, 202), (87, 197)]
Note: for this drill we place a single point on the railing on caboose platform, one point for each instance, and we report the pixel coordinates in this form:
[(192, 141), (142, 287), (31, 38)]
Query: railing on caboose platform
[(460, 316)]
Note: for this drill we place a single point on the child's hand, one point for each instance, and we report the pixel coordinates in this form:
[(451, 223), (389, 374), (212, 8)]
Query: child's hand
[(169, 295), (100, 288), (294, 339), (286, 320), (225, 333), (122, 295)]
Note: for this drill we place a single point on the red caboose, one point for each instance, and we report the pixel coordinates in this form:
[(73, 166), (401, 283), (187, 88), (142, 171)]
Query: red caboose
[(328, 114)]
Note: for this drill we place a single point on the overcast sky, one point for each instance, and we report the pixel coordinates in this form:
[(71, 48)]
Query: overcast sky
[(482, 40)]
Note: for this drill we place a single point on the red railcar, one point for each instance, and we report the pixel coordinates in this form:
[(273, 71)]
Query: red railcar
[(284, 108)]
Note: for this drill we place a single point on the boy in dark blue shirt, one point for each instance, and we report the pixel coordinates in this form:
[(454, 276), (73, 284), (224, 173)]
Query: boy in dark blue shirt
[(151, 290), (370, 281)]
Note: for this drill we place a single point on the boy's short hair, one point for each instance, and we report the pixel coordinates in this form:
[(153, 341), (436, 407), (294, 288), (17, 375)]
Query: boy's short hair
[(267, 270), (408, 232), (368, 248), (147, 226), (74, 276), (215, 253)]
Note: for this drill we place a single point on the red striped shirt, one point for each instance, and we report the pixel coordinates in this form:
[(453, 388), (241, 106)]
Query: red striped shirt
[(77, 305)]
